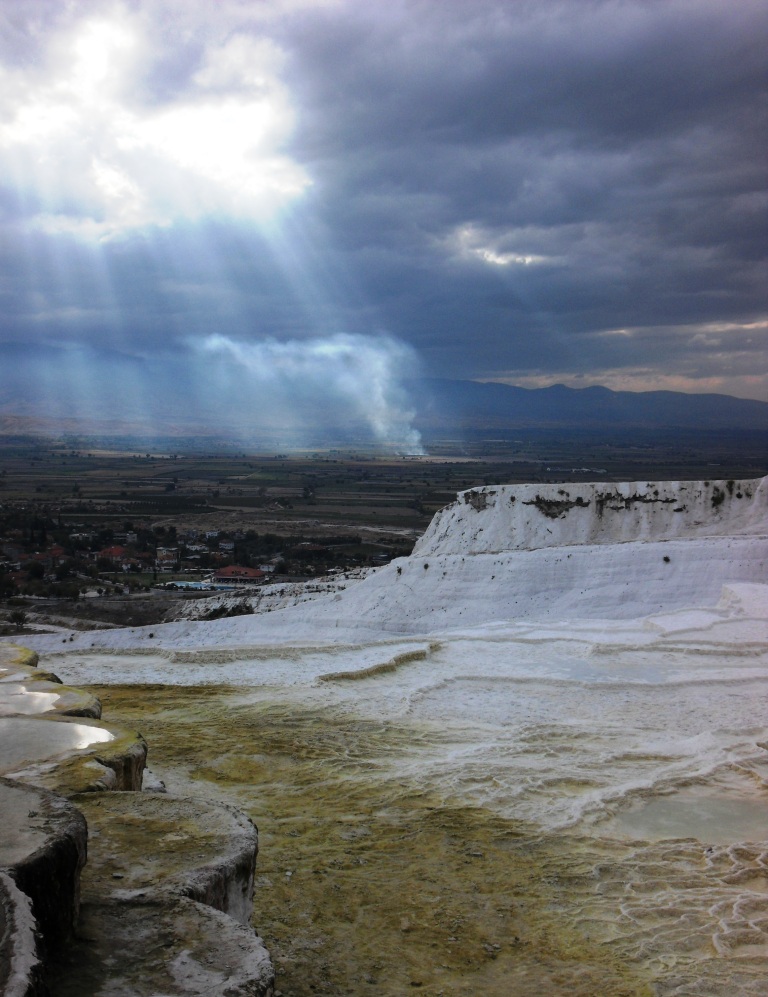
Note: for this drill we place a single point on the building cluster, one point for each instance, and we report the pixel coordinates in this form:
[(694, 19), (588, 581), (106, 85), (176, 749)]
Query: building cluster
[(43, 556)]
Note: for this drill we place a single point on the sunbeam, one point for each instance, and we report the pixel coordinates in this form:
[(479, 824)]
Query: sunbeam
[(103, 162)]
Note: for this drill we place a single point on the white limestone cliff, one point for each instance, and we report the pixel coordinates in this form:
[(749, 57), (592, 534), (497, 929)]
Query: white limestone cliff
[(527, 517)]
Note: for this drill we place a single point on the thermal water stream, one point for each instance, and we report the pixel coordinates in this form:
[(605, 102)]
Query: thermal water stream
[(486, 815)]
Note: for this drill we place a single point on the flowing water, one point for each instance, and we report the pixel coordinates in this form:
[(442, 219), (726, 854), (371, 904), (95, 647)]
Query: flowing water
[(477, 821)]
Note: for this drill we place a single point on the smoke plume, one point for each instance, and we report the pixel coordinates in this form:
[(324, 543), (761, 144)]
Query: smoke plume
[(341, 380)]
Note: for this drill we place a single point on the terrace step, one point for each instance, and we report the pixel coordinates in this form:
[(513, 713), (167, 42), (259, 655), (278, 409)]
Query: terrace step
[(69, 756), (163, 873), (27, 690), (42, 850)]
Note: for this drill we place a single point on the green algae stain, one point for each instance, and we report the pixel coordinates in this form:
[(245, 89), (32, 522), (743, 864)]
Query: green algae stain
[(14, 654), (367, 882)]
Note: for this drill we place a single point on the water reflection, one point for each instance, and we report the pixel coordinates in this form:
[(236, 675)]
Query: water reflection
[(18, 698), (25, 741)]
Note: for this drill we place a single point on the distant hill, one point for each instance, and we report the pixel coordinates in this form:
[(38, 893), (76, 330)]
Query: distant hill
[(470, 406)]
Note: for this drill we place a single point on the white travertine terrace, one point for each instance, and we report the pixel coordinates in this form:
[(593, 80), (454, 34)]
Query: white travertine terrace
[(590, 660)]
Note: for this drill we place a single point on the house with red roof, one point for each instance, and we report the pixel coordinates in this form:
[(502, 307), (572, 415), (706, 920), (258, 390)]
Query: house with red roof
[(115, 553), (235, 574)]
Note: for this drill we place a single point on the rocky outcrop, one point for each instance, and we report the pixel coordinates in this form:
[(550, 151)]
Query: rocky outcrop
[(542, 552)]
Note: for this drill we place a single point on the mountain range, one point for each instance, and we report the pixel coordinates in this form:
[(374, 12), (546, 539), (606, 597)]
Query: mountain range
[(441, 408), (479, 407)]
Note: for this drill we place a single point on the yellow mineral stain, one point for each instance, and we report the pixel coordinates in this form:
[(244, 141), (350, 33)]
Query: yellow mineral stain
[(367, 882)]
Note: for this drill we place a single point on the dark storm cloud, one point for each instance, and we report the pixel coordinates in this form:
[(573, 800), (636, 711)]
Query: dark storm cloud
[(619, 142), (515, 189), (471, 73)]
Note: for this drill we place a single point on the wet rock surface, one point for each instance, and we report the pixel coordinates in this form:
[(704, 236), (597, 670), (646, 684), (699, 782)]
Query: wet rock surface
[(69, 756), (168, 892), (154, 947), (21, 970), (141, 846), (50, 734), (162, 873), (13, 655), (42, 851), (28, 690)]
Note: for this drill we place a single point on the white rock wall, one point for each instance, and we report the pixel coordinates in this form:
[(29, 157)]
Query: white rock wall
[(530, 516), (601, 581)]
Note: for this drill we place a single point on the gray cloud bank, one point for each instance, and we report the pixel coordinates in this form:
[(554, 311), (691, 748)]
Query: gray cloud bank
[(530, 192)]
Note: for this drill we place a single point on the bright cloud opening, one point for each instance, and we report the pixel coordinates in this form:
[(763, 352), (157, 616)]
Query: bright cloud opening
[(473, 242), (100, 51), (98, 162)]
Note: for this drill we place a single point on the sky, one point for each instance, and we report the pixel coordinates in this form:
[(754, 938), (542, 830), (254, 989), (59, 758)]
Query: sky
[(212, 208)]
